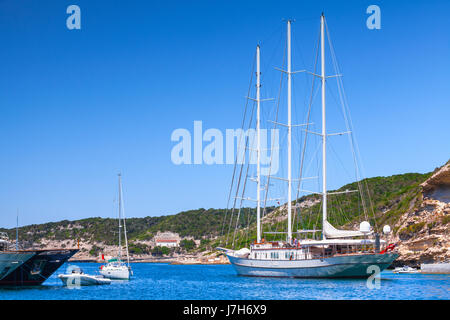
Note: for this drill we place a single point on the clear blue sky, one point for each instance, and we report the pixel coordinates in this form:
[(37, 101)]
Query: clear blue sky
[(77, 107)]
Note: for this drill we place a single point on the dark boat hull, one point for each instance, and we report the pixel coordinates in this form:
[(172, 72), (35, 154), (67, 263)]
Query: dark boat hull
[(38, 268)]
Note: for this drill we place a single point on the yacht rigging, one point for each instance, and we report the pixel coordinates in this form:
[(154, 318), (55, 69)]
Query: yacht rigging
[(337, 253)]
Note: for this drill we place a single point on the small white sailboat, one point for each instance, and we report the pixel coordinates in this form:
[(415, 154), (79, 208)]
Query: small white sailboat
[(115, 268), (78, 278)]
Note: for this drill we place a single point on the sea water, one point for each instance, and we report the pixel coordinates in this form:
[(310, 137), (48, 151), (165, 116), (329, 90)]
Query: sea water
[(169, 282)]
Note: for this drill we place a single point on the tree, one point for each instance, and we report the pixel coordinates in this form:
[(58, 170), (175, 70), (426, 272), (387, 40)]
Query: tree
[(187, 245), (160, 251)]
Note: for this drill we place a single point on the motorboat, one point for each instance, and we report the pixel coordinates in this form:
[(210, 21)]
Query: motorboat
[(77, 278), (406, 269)]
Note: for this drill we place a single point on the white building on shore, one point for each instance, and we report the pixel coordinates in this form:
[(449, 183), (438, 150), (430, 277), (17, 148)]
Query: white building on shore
[(167, 239)]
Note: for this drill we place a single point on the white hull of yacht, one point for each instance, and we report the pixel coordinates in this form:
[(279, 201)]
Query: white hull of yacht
[(345, 266)]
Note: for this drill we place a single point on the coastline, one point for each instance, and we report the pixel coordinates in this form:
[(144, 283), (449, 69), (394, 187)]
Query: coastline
[(169, 260)]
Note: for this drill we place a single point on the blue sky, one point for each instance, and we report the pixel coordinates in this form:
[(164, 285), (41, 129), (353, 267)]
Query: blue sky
[(78, 106)]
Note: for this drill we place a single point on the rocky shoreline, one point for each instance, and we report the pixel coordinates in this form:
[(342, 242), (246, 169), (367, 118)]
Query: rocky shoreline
[(181, 260)]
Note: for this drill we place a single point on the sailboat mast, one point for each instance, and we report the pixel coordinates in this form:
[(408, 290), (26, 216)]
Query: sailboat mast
[(17, 231), (289, 125), (258, 150), (125, 229), (120, 209), (324, 131)]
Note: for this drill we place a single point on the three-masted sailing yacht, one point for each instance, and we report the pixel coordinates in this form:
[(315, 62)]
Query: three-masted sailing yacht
[(116, 268), (340, 253)]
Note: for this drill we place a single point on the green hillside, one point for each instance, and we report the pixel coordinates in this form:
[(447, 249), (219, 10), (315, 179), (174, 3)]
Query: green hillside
[(386, 199), (193, 223)]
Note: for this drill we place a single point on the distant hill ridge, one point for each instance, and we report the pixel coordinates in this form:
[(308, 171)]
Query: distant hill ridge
[(385, 192)]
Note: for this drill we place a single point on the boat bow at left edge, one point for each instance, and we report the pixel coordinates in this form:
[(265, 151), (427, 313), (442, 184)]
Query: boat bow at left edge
[(39, 266)]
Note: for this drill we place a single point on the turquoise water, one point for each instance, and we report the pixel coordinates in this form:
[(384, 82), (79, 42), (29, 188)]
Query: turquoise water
[(164, 281)]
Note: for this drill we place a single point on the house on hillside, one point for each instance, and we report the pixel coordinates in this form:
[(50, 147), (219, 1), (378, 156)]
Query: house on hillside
[(167, 239)]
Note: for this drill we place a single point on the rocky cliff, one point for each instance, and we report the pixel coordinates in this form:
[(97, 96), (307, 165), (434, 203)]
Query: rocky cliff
[(423, 230)]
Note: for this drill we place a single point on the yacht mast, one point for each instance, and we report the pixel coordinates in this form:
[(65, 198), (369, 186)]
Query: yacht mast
[(120, 209), (17, 231), (289, 126), (324, 132), (258, 150)]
